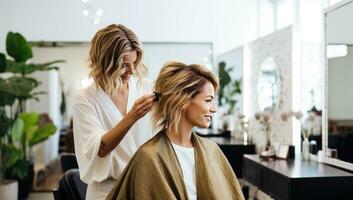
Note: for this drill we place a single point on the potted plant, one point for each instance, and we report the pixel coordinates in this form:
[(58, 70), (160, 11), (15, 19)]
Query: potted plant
[(9, 155), (28, 130), (227, 96), (15, 90)]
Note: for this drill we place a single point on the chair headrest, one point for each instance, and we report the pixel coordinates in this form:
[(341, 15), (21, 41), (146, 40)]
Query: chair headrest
[(71, 185)]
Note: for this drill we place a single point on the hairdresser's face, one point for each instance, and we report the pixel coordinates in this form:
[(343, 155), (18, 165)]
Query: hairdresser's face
[(129, 62), (200, 109)]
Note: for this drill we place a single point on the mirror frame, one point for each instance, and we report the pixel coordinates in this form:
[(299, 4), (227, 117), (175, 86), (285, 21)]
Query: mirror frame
[(325, 159)]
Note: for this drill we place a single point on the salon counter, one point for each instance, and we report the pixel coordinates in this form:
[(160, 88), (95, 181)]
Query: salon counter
[(298, 179)]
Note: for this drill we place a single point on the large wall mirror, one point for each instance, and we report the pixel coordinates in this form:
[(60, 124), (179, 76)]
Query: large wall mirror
[(268, 85), (338, 115)]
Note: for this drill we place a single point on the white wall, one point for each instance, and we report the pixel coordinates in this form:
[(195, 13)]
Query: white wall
[(340, 82), (226, 23), (235, 24), (70, 73), (339, 28), (49, 103), (157, 54)]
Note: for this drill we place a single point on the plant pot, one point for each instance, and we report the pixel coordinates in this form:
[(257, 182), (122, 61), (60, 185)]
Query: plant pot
[(9, 189), (25, 185)]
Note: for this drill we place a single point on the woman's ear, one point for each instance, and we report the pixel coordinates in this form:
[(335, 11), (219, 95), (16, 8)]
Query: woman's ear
[(185, 106)]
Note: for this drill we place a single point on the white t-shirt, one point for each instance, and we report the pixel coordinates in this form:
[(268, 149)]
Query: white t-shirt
[(94, 113), (186, 158)]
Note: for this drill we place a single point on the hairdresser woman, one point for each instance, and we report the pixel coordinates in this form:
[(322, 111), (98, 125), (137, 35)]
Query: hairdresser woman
[(110, 116)]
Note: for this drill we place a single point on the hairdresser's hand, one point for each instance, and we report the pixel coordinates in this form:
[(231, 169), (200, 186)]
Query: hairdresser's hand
[(141, 107)]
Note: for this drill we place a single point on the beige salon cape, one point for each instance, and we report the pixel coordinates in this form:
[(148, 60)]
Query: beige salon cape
[(154, 173), (94, 114)]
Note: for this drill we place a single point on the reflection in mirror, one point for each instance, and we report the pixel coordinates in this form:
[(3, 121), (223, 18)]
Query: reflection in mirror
[(268, 85), (339, 54)]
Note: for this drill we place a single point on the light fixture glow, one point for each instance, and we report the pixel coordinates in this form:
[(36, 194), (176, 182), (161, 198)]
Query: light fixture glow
[(85, 12), (85, 82), (334, 51), (96, 20), (99, 12)]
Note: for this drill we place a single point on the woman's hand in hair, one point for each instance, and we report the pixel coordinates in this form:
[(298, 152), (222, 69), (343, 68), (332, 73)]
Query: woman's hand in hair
[(141, 107), (114, 136)]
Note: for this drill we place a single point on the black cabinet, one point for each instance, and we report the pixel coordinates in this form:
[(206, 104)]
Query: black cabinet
[(298, 179), (234, 150), (252, 172)]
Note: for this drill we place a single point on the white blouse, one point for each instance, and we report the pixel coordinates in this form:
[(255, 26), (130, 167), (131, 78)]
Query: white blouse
[(186, 158), (94, 114)]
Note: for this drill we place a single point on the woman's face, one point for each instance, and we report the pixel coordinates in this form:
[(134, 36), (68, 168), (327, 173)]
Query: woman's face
[(129, 62), (199, 110)]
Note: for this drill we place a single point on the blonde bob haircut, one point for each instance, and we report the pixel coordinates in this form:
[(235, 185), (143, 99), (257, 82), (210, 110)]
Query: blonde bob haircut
[(177, 84), (108, 48)]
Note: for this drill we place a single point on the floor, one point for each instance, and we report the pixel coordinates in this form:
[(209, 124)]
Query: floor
[(43, 191), (49, 183), (40, 196)]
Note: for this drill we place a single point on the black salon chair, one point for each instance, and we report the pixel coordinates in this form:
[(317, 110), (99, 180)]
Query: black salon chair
[(68, 161), (70, 186)]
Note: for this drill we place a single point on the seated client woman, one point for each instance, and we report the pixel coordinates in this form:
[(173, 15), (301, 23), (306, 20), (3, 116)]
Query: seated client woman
[(176, 163)]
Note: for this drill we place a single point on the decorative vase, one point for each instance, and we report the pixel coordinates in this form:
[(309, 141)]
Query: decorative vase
[(305, 148), (267, 152)]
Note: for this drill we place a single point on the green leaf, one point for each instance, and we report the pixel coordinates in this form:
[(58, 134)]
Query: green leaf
[(23, 68), (224, 75), (39, 93), (5, 97), (224, 80), (3, 84), (15, 67), (45, 66), (228, 88), (5, 123), (63, 103), (17, 47), (21, 87), (2, 62), (30, 118), (17, 130), (16, 87), (11, 155), (30, 121), (19, 169), (237, 86), (42, 134)]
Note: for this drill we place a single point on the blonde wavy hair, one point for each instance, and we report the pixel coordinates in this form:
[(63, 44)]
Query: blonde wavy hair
[(108, 48), (178, 83)]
